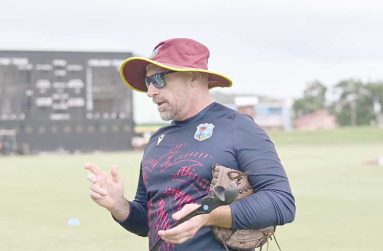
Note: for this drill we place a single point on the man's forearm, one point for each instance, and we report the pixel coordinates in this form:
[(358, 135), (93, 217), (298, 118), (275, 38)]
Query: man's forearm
[(220, 217), (121, 210)]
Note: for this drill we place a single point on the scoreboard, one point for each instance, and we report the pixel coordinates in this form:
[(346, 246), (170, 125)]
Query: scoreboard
[(64, 101)]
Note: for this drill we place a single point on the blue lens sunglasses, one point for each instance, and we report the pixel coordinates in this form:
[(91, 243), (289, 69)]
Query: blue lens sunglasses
[(157, 80)]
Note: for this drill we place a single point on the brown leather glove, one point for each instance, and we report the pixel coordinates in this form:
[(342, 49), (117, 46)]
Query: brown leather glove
[(243, 238)]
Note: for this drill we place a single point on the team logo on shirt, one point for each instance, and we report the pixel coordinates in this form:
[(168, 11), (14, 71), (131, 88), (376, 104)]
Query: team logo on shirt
[(204, 131)]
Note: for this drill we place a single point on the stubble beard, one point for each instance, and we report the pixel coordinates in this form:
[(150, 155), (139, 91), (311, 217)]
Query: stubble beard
[(171, 114), (173, 111), (167, 115)]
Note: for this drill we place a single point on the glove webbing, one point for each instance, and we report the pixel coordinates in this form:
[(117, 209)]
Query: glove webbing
[(260, 248)]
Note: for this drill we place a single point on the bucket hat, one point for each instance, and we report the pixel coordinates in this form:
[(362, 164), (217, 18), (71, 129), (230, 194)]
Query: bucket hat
[(177, 54)]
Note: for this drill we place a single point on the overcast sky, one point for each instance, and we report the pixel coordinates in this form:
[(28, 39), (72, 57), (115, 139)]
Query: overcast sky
[(267, 47)]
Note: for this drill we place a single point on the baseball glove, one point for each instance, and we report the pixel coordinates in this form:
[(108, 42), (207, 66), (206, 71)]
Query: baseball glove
[(240, 239)]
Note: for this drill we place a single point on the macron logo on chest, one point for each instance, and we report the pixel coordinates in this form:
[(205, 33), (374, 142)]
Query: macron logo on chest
[(160, 138)]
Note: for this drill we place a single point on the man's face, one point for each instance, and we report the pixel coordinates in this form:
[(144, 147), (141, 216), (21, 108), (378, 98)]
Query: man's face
[(172, 100)]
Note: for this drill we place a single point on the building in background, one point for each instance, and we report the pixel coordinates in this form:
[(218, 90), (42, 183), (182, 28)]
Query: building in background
[(321, 119), (64, 101), (269, 113)]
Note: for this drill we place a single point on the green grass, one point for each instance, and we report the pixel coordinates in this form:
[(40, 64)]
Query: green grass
[(338, 190), (339, 136)]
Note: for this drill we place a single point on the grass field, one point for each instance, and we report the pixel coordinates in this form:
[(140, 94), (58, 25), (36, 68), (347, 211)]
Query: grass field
[(337, 185)]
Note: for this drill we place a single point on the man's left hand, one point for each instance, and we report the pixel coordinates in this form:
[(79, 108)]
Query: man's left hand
[(186, 230)]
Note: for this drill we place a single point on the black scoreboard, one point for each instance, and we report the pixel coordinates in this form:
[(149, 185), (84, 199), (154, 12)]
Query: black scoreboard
[(64, 101)]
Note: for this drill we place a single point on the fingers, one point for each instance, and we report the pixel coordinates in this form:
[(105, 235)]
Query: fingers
[(188, 208), (186, 230), (102, 185), (94, 169), (95, 196), (96, 175), (92, 178), (97, 178), (115, 174), (99, 190), (178, 234)]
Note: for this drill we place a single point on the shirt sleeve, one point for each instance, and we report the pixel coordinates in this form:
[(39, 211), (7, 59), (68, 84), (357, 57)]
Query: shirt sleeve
[(273, 202), (137, 221)]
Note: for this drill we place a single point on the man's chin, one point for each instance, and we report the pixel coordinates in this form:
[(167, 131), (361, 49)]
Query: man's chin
[(166, 116)]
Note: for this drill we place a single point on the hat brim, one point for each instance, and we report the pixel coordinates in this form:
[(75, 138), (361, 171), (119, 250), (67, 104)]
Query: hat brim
[(133, 72)]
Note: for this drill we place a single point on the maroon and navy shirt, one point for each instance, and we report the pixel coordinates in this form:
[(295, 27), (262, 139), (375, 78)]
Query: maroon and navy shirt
[(176, 170)]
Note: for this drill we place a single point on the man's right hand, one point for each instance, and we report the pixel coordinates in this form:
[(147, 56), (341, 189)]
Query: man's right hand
[(108, 191)]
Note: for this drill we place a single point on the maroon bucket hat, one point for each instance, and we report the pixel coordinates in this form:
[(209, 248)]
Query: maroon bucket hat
[(178, 54)]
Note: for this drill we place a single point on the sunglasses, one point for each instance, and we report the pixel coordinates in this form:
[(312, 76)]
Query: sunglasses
[(157, 80)]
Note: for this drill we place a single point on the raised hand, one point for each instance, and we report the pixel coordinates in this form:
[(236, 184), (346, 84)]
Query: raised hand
[(108, 190)]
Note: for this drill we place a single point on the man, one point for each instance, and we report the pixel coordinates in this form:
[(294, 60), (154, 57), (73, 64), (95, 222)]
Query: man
[(176, 166)]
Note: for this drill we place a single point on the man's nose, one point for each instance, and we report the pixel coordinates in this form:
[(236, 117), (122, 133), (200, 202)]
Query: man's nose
[(152, 90)]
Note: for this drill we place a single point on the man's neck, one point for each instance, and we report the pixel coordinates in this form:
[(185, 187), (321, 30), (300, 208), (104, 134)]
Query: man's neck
[(196, 106)]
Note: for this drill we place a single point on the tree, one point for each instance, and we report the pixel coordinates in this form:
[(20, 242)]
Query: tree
[(314, 99), (376, 94), (354, 105)]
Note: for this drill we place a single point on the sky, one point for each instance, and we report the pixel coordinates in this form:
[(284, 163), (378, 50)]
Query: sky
[(267, 47)]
